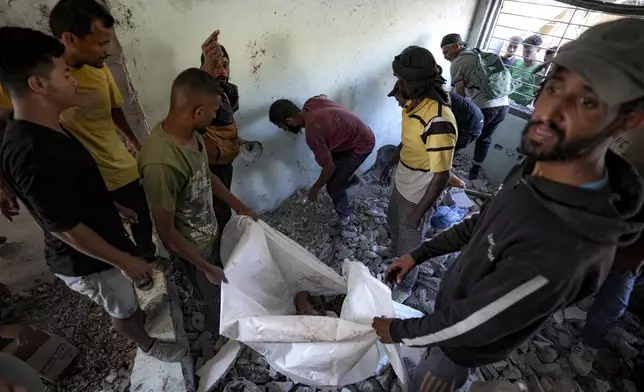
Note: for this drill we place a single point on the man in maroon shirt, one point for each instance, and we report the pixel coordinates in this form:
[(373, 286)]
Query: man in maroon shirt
[(337, 137)]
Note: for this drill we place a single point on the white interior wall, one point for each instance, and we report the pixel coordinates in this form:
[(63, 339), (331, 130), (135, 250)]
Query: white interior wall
[(285, 49)]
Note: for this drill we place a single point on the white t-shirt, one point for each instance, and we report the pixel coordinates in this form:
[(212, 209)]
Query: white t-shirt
[(412, 184)]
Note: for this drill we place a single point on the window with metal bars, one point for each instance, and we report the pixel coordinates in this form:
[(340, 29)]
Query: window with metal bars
[(555, 23)]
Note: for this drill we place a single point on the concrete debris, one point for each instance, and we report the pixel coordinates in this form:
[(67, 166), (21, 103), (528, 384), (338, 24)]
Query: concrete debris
[(542, 362), (602, 385), (574, 313), (511, 373), (459, 198), (547, 354), (105, 359), (275, 386), (586, 303), (559, 317), (629, 386), (499, 366)]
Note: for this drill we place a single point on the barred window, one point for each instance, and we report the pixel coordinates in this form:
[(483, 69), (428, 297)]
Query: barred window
[(542, 26)]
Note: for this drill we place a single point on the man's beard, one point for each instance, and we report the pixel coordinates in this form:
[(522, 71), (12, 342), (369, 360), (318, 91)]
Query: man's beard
[(563, 150), (293, 129)]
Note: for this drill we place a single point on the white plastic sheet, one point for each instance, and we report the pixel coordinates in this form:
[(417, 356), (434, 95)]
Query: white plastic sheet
[(266, 269)]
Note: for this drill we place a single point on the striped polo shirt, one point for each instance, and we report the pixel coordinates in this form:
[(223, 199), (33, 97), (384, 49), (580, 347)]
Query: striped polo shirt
[(429, 135)]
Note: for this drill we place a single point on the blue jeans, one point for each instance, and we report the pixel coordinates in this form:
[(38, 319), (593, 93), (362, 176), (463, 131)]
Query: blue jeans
[(610, 303), (492, 117)]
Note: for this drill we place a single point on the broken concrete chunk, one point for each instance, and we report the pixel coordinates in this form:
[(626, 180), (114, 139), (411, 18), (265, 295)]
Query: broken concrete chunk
[(303, 388), (349, 234), (564, 340), (275, 386), (112, 376), (370, 385), (489, 372), (586, 303), (629, 386), (242, 385), (602, 385), (533, 361), (254, 373), (574, 313), (370, 255), (511, 373), (499, 366), (375, 212), (552, 370), (547, 354), (559, 317), (546, 383)]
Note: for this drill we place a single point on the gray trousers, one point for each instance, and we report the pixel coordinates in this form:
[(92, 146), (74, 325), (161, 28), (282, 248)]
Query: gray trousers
[(437, 373), (403, 238)]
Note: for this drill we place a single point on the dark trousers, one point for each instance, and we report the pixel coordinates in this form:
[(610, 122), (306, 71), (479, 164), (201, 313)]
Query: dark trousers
[(467, 136), (610, 304), (492, 118), (346, 163), (222, 210), (132, 196)]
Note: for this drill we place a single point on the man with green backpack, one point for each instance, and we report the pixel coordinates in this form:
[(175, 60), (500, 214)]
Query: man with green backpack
[(482, 77)]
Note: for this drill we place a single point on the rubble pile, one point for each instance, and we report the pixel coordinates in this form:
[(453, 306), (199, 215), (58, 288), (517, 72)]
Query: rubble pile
[(541, 363), (106, 358), (544, 365)]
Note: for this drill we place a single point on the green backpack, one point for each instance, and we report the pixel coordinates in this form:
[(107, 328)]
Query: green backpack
[(491, 75)]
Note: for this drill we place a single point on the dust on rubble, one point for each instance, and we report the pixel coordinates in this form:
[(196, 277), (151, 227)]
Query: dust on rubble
[(105, 359)]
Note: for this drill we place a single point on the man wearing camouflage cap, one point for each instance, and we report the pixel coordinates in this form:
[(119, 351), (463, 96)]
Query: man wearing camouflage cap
[(548, 237)]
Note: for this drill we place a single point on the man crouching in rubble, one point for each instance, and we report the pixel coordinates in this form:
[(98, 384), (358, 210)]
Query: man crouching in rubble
[(339, 139), (548, 237), (179, 186)]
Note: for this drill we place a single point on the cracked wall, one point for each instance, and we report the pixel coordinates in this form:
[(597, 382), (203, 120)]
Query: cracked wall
[(285, 49)]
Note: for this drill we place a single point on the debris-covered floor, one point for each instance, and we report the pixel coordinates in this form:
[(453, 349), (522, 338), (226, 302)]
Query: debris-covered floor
[(541, 363), (105, 359)]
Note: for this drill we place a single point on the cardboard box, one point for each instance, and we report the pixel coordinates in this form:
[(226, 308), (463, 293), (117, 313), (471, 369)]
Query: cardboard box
[(47, 354)]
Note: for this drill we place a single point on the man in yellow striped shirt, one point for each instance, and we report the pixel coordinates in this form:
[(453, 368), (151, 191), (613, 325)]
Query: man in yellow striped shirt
[(429, 135)]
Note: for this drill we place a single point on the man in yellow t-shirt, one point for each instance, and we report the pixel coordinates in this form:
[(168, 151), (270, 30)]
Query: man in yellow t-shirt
[(429, 134), (86, 30)]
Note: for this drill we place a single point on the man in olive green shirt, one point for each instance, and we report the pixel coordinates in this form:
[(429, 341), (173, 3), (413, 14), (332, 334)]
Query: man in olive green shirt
[(173, 165)]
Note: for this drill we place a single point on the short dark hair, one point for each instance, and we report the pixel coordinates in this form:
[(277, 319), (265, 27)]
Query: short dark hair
[(533, 40), (281, 110), (198, 81), (77, 17), (551, 50), (25, 52), (516, 39)]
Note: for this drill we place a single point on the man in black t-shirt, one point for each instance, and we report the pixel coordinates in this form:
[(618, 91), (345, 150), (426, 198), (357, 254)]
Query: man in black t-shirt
[(58, 181)]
